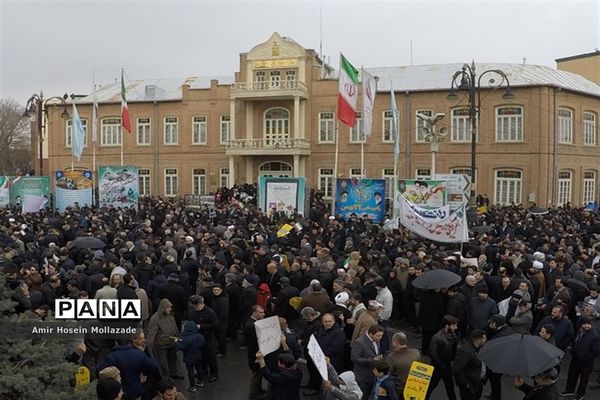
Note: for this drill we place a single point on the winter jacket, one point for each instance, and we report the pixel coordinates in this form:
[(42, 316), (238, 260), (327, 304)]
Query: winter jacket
[(162, 327), (467, 367), (442, 349), (587, 348), (333, 344), (543, 392), (191, 344), (563, 330), (480, 312), (131, 362), (285, 383), (220, 305), (207, 319), (521, 323)]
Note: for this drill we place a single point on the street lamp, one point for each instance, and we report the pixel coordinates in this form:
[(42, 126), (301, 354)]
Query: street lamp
[(432, 135), (38, 105), (467, 79)]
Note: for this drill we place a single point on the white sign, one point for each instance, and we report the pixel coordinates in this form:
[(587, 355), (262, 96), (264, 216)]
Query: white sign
[(442, 224), (33, 204), (316, 353), (458, 188), (268, 333), (281, 197)]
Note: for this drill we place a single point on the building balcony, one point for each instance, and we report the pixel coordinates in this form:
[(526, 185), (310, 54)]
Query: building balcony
[(269, 90), (260, 147)]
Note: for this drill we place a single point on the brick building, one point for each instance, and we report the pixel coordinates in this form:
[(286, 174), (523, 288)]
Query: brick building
[(276, 116)]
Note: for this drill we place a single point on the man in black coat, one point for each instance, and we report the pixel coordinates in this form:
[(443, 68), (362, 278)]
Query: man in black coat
[(282, 304), (285, 382), (332, 339), (176, 295), (584, 350), (257, 313), (207, 322), (220, 305), (467, 367), (456, 306), (497, 328), (233, 291), (442, 352), (127, 290), (430, 313)]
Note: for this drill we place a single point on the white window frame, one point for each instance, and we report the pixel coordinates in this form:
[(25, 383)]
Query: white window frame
[(588, 192), (326, 126), (386, 126), (326, 182), (420, 125), (171, 182), (224, 128), (224, 177), (564, 186), (356, 132), (388, 175), (199, 182), (144, 182), (171, 131), (290, 75), (508, 189), (423, 173), (110, 132), (356, 173), (461, 126), (199, 130), (565, 126), (275, 79), (589, 128), (143, 131), (463, 171), (69, 132), (509, 127)]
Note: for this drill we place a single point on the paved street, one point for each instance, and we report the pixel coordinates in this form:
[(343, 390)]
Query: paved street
[(234, 380)]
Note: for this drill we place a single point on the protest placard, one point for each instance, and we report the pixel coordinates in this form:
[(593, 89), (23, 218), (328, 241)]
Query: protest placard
[(268, 333), (315, 352)]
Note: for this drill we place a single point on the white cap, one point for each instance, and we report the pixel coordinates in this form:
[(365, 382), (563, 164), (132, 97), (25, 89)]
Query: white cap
[(538, 265), (342, 298)]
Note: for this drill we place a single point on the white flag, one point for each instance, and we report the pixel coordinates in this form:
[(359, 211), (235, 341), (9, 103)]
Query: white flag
[(32, 203), (369, 84)]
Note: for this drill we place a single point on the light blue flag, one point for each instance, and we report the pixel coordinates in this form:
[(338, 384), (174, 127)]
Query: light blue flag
[(77, 134), (395, 118)]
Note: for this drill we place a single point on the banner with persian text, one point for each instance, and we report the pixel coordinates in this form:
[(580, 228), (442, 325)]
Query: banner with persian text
[(362, 197), (73, 188)]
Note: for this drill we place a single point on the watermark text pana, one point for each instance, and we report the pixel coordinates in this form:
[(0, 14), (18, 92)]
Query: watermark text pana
[(98, 309)]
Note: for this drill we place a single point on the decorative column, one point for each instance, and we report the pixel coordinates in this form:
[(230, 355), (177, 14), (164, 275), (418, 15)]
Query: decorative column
[(296, 166), (232, 170)]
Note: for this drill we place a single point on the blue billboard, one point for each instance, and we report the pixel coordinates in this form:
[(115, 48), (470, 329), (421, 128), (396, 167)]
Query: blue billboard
[(363, 197)]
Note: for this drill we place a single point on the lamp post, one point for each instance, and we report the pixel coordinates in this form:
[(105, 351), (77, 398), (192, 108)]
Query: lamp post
[(432, 135), (467, 79), (38, 105)]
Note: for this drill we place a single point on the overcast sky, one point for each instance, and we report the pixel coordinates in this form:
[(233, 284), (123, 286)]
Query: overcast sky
[(55, 45)]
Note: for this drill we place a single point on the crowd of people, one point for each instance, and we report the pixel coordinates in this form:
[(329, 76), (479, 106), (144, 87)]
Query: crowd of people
[(206, 275)]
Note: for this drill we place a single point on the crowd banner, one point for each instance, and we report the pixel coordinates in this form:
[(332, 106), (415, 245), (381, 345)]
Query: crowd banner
[(424, 209), (281, 195), (38, 186), (4, 191), (118, 186), (361, 197), (417, 381), (33, 203), (268, 333), (73, 187), (316, 353)]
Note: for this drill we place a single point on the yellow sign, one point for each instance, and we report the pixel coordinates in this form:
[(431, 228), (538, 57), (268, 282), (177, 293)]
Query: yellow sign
[(283, 63), (418, 380), (82, 378), (284, 230)]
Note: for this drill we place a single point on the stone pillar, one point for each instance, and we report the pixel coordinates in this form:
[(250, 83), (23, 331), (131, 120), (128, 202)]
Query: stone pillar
[(232, 119), (296, 117), (296, 166), (231, 170), (249, 120), (249, 169)]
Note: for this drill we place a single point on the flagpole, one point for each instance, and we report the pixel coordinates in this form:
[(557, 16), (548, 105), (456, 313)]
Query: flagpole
[(94, 135), (361, 132), (335, 166)]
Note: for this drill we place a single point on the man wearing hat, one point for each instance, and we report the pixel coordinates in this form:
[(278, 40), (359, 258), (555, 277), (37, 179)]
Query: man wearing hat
[(584, 350), (481, 308)]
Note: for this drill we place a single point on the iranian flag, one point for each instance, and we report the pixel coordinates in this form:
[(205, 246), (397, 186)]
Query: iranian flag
[(348, 92), (125, 121)]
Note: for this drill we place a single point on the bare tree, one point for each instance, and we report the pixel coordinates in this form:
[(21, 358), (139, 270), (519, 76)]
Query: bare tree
[(14, 138)]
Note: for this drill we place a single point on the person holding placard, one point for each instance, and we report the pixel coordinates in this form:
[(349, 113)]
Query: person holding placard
[(285, 381)]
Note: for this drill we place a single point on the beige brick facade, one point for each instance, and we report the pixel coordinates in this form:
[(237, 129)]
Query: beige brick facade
[(278, 120)]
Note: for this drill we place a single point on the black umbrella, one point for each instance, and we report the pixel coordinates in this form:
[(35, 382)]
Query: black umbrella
[(436, 279), (482, 229), (520, 355), (538, 210), (88, 242)]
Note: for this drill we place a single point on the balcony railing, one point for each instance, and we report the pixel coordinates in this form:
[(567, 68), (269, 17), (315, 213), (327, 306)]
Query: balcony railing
[(268, 146), (269, 89)]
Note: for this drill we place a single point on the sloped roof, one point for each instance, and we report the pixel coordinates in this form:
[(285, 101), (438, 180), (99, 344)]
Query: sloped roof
[(160, 89), (439, 77)]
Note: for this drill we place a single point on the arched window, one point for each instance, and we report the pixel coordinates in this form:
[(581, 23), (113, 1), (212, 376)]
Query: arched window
[(589, 187), (589, 128), (565, 180), (275, 169), (508, 186), (277, 125), (509, 124), (565, 126)]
